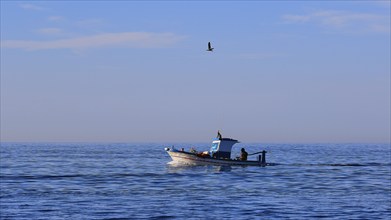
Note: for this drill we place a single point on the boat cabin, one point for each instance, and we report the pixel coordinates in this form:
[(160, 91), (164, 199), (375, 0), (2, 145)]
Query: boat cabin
[(221, 147)]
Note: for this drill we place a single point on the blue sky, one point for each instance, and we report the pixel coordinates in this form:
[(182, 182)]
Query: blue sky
[(118, 71)]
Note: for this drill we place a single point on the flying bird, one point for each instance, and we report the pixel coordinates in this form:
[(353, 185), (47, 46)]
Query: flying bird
[(210, 48)]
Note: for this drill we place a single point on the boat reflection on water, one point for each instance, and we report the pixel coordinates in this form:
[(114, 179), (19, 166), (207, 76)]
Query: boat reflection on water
[(175, 167)]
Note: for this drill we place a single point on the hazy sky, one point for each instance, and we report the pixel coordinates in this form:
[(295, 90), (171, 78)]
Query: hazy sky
[(118, 71)]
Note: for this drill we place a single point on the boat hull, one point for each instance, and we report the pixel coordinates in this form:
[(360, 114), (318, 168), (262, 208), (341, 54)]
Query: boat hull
[(182, 157)]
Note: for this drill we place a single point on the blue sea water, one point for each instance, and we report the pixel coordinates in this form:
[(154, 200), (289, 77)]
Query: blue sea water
[(135, 181)]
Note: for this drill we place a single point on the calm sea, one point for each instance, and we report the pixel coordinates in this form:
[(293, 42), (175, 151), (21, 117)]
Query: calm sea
[(135, 181)]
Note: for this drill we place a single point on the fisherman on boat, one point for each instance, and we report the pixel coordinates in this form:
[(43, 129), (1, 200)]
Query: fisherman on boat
[(243, 155)]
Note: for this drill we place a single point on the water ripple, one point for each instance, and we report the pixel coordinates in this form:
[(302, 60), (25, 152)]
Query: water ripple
[(120, 181)]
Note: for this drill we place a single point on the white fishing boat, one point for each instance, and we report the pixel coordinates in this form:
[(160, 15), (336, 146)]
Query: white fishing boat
[(219, 154)]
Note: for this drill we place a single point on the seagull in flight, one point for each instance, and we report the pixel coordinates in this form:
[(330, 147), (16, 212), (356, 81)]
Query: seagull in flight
[(210, 48)]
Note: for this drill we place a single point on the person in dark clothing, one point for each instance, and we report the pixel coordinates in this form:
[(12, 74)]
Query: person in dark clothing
[(243, 155)]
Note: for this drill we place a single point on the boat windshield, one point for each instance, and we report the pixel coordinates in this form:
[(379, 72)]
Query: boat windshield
[(214, 147)]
